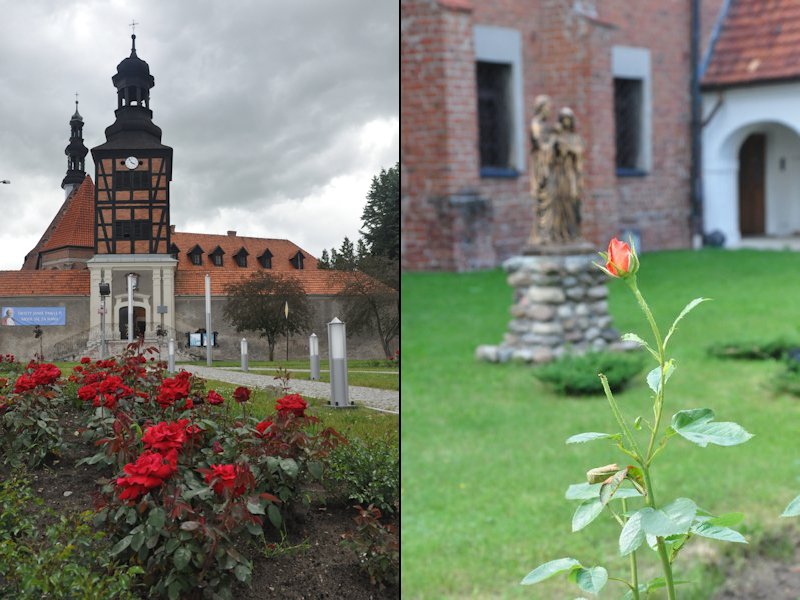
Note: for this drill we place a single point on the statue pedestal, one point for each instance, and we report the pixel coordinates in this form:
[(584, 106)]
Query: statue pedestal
[(560, 306)]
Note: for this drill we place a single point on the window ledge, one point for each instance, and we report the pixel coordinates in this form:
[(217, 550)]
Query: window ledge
[(499, 172), (632, 173)]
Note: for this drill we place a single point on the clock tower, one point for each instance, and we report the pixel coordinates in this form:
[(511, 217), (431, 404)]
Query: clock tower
[(133, 170), (132, 272)]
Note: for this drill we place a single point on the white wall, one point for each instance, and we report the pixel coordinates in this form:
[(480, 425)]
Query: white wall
[(769, 109)]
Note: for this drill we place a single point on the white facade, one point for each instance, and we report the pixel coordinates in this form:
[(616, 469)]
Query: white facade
[(772, 110)]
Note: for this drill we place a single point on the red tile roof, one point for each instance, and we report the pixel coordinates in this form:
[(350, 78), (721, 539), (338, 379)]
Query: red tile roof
[(759, 41), (192, 283), (72, 225), (282, 251), (44, 283), (190, 279), (76, 227)]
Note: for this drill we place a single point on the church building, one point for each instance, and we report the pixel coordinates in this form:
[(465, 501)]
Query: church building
[(75, 280)]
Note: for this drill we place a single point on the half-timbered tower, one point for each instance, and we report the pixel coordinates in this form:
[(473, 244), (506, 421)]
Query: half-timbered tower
[(133, 170)]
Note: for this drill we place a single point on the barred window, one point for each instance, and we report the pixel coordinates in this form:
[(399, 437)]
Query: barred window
[(140, 229), (494, 115), (132, 180)]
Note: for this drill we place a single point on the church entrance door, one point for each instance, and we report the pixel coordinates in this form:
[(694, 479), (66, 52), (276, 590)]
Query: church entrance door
[(751, 185), (139, 320)]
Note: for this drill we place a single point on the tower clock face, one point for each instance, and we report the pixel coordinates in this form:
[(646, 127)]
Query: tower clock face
[(131, 162)]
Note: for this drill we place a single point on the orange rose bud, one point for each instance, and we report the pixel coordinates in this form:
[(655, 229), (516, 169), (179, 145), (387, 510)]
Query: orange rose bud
[(621, 259)]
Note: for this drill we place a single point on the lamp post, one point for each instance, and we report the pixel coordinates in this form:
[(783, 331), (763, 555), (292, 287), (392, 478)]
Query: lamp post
[(313, 351), (286, 314), (337, 357), (105, 290), (133, 284), (209, 333)]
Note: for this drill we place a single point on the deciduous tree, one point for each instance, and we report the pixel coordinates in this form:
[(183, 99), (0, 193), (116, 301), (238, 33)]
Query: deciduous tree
[(257, 304)]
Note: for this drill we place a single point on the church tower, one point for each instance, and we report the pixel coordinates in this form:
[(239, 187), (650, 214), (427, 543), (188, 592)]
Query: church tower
[(133, 170), (76, 154), (132, 272)]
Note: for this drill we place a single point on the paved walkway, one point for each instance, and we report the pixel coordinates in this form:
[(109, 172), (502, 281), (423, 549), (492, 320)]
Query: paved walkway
[(382, 400)]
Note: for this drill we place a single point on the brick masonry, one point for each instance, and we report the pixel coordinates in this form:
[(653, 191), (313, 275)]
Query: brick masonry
[(452, 219)]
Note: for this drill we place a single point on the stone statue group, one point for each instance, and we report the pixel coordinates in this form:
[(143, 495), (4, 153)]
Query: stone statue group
[(556, 175)]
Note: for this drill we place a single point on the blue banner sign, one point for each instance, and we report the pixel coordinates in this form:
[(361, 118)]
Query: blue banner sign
[(33, 315)]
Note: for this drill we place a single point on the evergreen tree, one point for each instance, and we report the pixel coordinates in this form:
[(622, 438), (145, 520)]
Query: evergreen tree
[(324, 262), (381, 216), (345, 258)]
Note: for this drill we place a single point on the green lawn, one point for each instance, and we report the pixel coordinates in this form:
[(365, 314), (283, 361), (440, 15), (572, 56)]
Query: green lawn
[(485, 466)]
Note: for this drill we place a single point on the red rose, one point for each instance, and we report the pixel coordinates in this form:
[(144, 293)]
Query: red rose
[(24, 383), (216, 448), (85, 360), (165, 436), (215, 398), (88, 392), (46, 374), (293, 403), (172, 390), (241, 394), (262, 427), (228, 477), (621, 260), (149, 471)]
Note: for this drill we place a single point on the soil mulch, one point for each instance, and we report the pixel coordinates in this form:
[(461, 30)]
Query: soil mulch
[(309, 564)]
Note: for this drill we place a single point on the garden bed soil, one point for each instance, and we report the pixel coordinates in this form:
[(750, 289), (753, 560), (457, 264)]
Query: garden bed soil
[(313, 564)]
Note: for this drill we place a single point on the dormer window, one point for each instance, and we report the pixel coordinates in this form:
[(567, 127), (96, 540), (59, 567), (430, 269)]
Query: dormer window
[(196, 255), (241, 257), (216, 256), (297, 260), (174, 251), (266, 259)]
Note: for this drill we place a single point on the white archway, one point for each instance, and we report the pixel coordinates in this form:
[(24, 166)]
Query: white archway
[(768, 110)]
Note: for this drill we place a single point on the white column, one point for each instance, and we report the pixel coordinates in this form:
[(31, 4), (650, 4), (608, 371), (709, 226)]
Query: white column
[(155, 318)]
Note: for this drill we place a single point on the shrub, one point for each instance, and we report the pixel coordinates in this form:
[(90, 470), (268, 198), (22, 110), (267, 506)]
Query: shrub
[(29, 415), (576, 375), (367, 472), (376, 545), (753, 350), (66, 560)]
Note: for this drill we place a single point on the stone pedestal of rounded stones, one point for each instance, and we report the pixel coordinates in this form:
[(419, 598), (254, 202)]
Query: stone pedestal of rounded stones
[(560, 306)]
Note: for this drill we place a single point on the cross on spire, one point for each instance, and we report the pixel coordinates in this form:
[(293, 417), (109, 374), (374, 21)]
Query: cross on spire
[(76, 100), (133, 25)]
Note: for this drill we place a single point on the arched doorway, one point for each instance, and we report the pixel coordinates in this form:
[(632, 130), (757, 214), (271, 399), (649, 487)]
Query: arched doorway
[(139, 319), (751, 184)]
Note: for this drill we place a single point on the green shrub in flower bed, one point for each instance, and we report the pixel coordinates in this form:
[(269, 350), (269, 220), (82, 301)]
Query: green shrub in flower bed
[(577, 375), (367, 472), (65, 559), (753, 350)]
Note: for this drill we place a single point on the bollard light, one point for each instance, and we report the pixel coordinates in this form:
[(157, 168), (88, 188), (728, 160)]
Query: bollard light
[(337, 357), (244, 355), (313, 351), (171, 355)]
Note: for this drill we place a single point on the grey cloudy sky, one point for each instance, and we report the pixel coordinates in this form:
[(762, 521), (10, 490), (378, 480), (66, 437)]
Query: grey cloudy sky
[(279, 112)]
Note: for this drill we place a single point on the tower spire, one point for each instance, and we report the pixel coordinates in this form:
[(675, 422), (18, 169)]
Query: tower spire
[(76, 153)]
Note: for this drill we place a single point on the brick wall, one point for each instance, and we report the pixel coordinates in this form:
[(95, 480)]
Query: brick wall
[(567, 55)]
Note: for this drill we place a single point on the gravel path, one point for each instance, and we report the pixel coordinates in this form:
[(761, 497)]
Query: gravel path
[(383, 400)]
